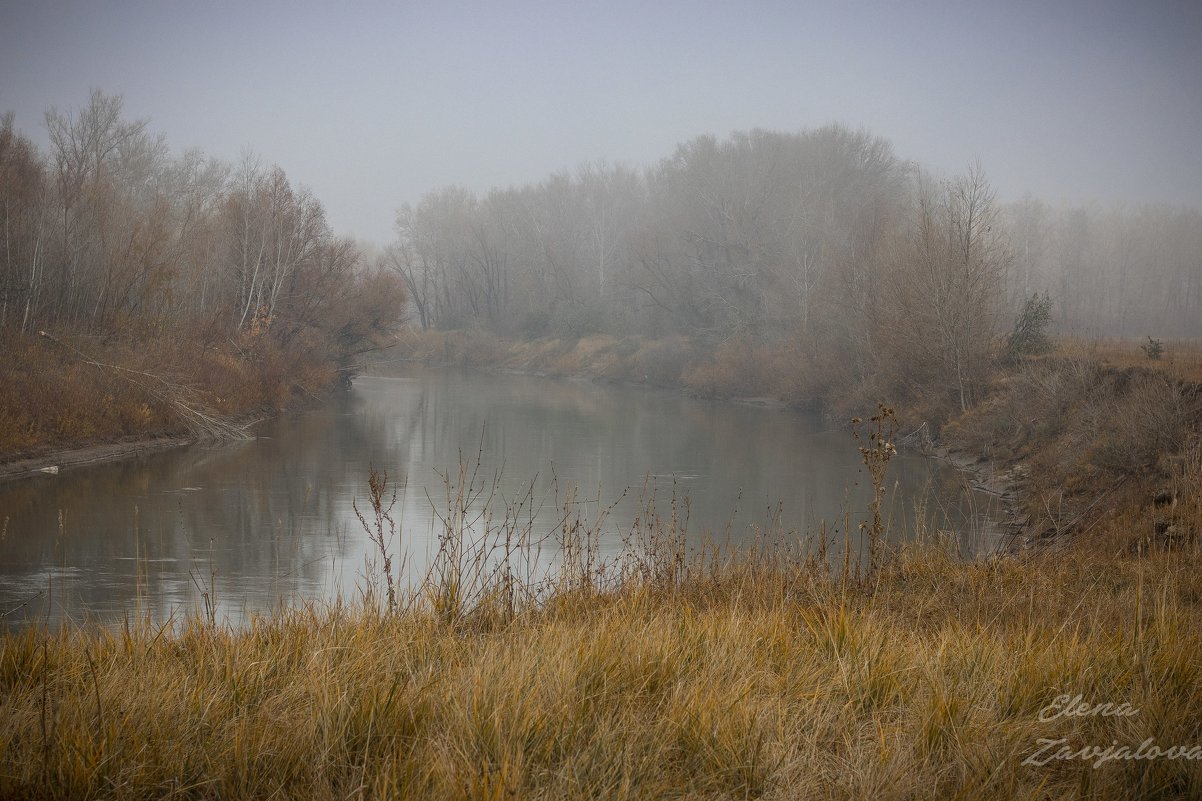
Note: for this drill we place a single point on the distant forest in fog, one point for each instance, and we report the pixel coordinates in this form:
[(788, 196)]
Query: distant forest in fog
[(825, 236), (766, 235)]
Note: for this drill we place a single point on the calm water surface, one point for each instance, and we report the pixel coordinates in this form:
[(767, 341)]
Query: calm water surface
[(270, 520)]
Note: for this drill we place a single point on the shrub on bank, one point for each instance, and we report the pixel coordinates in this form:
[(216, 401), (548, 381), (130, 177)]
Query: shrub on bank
[(748, 369)]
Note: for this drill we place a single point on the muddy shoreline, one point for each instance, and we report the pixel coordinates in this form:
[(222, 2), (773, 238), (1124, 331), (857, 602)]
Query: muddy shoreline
[(55, 461), (1004, 483)]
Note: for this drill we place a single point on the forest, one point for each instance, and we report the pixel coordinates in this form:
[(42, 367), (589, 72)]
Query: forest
[(145, 291), (767, 235)]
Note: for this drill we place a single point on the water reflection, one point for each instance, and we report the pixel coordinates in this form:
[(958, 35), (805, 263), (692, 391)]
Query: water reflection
[(269, 521)]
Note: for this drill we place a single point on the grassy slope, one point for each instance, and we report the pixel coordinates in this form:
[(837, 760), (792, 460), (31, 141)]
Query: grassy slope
[(763, 680), (51, 398)]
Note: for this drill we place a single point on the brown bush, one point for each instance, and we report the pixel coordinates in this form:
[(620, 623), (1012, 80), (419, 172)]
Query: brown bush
[(1040, 402), (740, 368), (1146, 419), (730, 370), (476, 348), (1184, 495), (661, 361)]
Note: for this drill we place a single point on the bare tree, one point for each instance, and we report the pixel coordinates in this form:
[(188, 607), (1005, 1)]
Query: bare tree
[(23, 214), (947, 287)]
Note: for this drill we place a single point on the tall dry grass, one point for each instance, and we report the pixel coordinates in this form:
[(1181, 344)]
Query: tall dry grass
[(1180, 359), (652, 674), (526, 665)]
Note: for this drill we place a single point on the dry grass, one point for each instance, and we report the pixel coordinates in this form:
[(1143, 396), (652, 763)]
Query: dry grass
[(635, 360), (71, 391), (48, 397), (1091, 440), (1181, 359), (741, 368), (769, 676)]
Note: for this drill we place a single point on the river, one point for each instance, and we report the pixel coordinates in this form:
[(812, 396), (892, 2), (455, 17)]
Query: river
[(269, 521)]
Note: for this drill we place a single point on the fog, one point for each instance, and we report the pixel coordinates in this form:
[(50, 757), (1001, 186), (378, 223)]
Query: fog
[(373, 106)]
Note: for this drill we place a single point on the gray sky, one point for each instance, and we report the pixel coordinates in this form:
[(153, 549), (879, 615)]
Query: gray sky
[(374, 104)]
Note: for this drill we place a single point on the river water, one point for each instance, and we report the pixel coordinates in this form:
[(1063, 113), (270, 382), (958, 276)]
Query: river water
[(270, 521)]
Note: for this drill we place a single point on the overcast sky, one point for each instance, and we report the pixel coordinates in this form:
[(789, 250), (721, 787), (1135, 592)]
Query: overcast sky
[(372, 105)]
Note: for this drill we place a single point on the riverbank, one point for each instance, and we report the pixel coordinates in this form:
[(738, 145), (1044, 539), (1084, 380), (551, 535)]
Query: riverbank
[(65, 402), (55, 461)]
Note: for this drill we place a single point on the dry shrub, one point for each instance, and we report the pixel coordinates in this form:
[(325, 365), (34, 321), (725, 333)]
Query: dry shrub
[(1092, 438), (735, 368), (1185, 493), (226, 377), (729, 371), (421, 344), (615, 361), (573, 356), (465, 347), (588, 348), (740, 368), (1029, 408), (18, 430), (477, 348), (1147, 418)]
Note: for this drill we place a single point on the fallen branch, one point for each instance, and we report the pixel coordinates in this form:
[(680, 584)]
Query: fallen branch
[(200, 420)]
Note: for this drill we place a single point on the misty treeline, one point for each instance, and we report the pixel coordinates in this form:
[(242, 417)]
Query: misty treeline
[(825, 237), (111, 234)]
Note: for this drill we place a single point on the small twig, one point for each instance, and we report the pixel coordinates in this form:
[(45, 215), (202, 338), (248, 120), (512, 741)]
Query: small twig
[(21, 606)]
